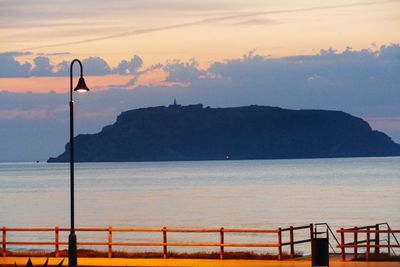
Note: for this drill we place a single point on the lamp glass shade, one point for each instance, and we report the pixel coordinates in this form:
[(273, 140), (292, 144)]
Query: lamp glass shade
[(81, 87)]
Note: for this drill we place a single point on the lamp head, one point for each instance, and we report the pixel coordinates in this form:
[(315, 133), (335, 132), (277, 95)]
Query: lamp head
[(81, 87)]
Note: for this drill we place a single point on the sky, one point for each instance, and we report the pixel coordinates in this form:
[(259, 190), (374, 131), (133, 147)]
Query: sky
[(337, 55)]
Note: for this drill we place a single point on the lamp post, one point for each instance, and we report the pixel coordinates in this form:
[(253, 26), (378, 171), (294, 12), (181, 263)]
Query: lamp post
[(81, 87)]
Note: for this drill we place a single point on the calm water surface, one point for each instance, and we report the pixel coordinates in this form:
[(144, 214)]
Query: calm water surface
[(241, 194)]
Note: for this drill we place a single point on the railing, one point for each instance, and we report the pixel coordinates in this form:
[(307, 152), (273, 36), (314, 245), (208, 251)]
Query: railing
[(389, 235), (164, 243), (368, 242), (330, 232), (292, 240)]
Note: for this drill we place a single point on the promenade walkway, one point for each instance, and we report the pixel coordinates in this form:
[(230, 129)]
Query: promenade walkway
[(118, 262)]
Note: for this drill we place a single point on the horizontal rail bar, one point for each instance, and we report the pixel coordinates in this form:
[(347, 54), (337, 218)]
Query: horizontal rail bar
[(367, 231), (365, 241), (52, 229), (30, 229), (368, 226), (248, 231), (136, 229), (358, 242), (371, 246), (85, 229), (172, 230), (362, 227), (296, 228), (251, 245), (40, 243)]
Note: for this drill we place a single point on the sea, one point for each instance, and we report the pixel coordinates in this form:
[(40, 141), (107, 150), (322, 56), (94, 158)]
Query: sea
[(246, 194)]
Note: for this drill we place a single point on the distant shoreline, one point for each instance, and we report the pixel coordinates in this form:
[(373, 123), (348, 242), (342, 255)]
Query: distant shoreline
[(217, 160)]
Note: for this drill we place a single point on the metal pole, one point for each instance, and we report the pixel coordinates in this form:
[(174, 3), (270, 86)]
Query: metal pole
[(355, 243), (4, 248), (291, 242), (280, 244), (377, 239), (343, 250), (221, 249), (165, 251), (72, 255)]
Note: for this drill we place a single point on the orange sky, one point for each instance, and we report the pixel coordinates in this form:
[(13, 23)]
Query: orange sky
[(209, 30), (58, 84)]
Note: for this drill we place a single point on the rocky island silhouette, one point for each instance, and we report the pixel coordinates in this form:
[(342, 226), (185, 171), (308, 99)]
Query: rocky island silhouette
[(194, 132)]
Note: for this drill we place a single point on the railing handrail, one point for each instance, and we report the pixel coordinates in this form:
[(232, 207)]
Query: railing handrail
[(368, 243), (164, 244), (374, 226), (366, 231), (172, 230), (296, 228), (388, 226)]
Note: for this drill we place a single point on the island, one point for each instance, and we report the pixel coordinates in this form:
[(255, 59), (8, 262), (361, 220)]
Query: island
[(194, 132)]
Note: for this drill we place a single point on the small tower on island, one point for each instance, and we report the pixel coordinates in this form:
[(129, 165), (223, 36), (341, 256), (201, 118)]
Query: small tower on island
[(174, 105)]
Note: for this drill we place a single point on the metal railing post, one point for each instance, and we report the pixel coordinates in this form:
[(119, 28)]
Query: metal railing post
[(221, 249), (377, 239), (388, 242), (4, 248), (57, 240), (110, 242), (165, 251), (291, 242), (312, 234), (368, 245), (355, 243), (312, 231), (279, 243), (343, 252)]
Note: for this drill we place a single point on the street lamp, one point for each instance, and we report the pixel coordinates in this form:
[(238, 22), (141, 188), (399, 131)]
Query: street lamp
[(81, 87)]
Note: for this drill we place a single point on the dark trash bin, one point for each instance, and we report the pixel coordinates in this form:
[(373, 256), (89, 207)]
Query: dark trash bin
[(320, 252)]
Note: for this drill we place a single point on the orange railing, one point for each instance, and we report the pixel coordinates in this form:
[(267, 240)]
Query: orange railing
[(109, 243), (292, 240), (369, 242)]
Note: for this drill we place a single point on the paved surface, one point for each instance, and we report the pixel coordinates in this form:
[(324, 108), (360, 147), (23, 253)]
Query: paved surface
[(38, 261)]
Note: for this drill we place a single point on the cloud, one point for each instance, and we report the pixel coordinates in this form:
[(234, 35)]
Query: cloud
[(255, 22), (390, 52), (42, 67), (63, 69), (96, 66), (10, 67), (362, 82), (15, 53), (10, 114), (129, 67), (183, 72)]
